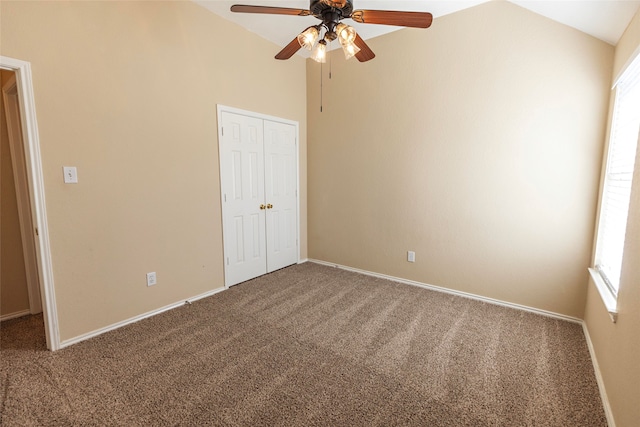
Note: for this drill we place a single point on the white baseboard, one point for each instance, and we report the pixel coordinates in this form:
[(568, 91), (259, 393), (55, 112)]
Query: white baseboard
[(603, 392), (71, 341), (454, 292), (15, 315)]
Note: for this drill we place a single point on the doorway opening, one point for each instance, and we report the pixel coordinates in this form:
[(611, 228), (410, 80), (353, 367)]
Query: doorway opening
[(30, 231), (19, 281)]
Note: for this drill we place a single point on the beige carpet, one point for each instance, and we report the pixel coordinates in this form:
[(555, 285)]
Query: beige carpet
[(308, 345)]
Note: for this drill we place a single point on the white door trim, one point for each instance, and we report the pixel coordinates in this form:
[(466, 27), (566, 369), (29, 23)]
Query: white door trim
[(35, 178), (224, 108), (27, 234)]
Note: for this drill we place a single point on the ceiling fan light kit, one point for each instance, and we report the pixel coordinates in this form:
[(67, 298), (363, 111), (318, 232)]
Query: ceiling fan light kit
[(347, 37), (346, 34), (331, 13), (320, 52), (350, 50), (308, 37)]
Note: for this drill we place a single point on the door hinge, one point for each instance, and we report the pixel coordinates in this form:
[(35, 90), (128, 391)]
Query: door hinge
[(225, 197), (37, 234), (222, 129), (227, 260)]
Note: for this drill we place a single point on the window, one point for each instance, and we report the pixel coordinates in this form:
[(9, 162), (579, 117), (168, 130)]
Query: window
[(616, 191)]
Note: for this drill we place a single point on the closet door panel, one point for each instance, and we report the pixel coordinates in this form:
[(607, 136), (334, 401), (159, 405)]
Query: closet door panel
[(242, 182), (281, 181)]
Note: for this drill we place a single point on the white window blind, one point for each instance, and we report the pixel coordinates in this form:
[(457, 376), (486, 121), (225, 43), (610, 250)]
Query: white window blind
[(619, 173)]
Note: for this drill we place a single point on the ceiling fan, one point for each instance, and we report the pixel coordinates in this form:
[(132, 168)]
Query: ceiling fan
[(331, 13)]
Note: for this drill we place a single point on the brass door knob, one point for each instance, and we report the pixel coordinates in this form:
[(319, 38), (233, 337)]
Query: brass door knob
[(269, 206), (262, 207)]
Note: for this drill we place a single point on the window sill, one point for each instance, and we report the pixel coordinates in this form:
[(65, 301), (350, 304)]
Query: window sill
[(610, 300)]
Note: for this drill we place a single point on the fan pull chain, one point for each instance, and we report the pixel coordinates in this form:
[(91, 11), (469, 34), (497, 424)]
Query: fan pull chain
[(321, 87), (330, 59)]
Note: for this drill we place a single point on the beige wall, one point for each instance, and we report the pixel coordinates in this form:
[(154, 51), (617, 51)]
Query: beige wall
[(14, 296), (127, 93), (476, 143), (617, 346)]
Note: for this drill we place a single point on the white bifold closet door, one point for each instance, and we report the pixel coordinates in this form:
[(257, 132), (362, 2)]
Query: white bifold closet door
[(258, 172)]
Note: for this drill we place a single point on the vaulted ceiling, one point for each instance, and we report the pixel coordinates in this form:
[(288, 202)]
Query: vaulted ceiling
[(603, 19)]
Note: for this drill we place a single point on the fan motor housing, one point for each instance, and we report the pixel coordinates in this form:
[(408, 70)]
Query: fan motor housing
[(319, 7)]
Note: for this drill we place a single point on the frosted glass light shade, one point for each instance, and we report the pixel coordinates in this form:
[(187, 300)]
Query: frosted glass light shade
[(320, 52), (308, 37), (350, 50), (346, 34)]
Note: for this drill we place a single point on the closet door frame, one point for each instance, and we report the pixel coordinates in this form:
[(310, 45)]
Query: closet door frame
[(224, 108)]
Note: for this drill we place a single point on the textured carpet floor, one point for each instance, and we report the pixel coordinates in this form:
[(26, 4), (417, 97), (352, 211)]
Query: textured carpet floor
[(308, 345)]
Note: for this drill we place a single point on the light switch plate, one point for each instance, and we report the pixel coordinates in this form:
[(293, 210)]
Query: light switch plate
[(70, 174)]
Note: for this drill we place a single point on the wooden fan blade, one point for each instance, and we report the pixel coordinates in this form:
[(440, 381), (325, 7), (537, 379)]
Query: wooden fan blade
[(392, 17), (365, 54), (241, 8), (289, 50)]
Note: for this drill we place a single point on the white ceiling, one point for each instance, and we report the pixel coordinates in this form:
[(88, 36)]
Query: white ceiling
[(603, 19)]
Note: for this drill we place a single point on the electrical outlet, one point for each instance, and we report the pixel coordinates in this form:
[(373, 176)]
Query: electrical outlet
[(151, 278), (411, 256)]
